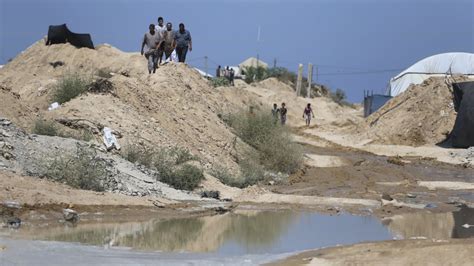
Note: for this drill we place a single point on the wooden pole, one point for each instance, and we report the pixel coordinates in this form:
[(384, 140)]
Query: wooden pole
[(299, 80), (310, 79)]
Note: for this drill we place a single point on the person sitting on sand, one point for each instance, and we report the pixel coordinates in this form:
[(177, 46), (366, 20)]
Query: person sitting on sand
[(152, 40), (283, 112), (307, 113), (169, 40)]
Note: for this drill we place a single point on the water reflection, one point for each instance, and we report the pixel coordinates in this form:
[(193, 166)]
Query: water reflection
[(203, 234), (433, 225)]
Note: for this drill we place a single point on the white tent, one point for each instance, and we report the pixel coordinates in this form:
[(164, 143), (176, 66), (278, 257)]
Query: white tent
[(203, 73), (252, 62), (433, 66)]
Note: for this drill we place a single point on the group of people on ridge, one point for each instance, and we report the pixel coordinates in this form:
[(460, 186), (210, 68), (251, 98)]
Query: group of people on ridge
[(280, 113), (228, 73), (161, 39)]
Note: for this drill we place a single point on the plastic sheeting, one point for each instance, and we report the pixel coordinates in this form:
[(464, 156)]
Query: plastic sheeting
[(462, 135), (61, 34), (436, 65)]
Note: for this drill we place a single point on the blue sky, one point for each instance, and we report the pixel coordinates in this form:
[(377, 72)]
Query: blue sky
[(356, 44)]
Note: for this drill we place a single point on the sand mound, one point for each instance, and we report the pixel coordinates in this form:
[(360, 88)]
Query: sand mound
[(13, 108), (174, 107), (423, 114)]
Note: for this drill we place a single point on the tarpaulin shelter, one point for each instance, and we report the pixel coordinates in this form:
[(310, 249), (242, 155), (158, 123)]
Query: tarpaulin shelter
[(462, 135), (61, 34), (434, 66)]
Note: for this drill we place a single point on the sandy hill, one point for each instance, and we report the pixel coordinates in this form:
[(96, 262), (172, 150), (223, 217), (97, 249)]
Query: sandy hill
[(423, 114), (263, 94), (174, 107)]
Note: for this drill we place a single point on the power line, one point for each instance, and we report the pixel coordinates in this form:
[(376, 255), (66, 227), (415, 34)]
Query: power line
[(360, 72)]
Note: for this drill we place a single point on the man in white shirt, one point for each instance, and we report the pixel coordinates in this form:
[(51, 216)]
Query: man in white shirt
[(160, 28)]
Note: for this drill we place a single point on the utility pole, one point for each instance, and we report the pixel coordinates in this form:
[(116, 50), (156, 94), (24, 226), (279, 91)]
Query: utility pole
[(299, 80), (205, 65), (274, 62), (310, 79)]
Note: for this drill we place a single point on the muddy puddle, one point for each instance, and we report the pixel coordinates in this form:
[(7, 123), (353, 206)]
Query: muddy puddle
[(242, 232), (242, 237)]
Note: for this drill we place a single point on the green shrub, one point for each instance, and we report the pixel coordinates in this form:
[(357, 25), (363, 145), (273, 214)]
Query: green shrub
[(44, 127), (282, 74), (220, 82), (138, 154), (277, 151), (69, 87), (226, 178), (339, 96), (181, 155), (169, 163), (186, 177), (84, 169), (253, 74)]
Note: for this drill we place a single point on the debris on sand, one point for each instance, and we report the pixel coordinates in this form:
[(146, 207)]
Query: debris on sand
[(70, 215)]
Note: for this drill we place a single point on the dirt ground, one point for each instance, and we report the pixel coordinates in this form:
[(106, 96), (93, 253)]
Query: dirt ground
[(364, 175), (402, 252)]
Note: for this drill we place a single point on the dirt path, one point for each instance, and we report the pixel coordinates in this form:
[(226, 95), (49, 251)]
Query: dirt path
[(406, 252), (333, 170)]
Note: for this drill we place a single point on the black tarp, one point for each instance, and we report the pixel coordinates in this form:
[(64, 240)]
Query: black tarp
[(61, 34), (373, 102), (462, 135)]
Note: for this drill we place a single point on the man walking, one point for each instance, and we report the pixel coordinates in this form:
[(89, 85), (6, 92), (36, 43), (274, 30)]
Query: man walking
[(168, 40), (160, 28), (275, 113), (152, 40), (231, 76), (283, 112), (218, 72), (183, 43), (308, 111)]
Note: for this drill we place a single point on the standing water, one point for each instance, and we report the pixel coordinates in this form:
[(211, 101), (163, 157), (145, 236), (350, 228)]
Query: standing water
[(243, 237)]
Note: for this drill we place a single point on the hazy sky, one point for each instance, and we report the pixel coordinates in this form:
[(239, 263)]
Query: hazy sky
[(356, 44)]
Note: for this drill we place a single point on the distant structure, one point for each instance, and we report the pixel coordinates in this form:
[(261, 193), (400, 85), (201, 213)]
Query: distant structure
[(434, 66), (253, 62)]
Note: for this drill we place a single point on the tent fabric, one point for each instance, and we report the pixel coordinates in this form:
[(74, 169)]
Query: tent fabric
[(61, 34), (252, 62), (437, 65), (372, 103), (462, 135)]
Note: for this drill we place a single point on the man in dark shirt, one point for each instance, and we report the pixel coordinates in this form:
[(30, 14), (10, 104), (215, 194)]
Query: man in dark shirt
[(283, 112), (183, 43)]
